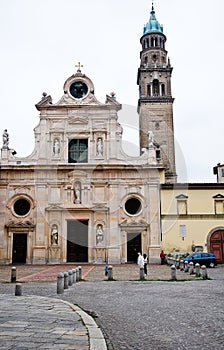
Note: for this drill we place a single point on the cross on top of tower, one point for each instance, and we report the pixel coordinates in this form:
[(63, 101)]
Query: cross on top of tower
[(79, 66), (153, 11)]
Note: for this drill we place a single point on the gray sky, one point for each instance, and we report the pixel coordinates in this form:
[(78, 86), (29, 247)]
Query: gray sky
[(42, 40)]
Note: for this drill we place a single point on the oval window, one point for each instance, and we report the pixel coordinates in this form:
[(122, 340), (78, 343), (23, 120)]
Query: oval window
[(21, 207), (133, 206)]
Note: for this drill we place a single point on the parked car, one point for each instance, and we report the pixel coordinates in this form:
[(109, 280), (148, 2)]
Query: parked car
[(207, 259)]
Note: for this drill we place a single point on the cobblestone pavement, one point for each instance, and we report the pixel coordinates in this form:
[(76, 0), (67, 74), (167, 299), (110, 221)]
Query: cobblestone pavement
[(34, 322), (154, 314)]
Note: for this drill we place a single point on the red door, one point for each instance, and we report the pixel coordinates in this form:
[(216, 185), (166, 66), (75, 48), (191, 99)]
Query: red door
[(217, 245)]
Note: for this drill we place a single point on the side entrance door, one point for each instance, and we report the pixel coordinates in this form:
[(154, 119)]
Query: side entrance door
[(134, 245), (19, 248), (217, 245), (77, 241)]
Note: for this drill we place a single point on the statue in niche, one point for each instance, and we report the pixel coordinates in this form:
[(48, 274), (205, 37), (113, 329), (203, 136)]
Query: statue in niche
[(99, 150), (77, 193), (5, 137), (56, 147), (99, 234), (150, 138), (54, 235)]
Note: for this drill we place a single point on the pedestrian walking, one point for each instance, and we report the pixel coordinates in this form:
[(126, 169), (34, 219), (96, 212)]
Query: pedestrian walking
[(106, 270), (140, 260), (145, 263), (162, 257)]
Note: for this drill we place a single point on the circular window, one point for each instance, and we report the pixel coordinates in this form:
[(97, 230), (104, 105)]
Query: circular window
[(78, 89), (133, 206), (21, 207)]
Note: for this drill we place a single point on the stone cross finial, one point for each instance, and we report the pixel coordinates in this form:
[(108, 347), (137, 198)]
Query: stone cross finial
[(79, 66)]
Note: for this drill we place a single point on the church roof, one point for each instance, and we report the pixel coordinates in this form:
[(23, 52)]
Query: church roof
[(153, 26)]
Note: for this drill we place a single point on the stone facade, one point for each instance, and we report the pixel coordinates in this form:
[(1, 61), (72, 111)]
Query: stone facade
[(78, 197)]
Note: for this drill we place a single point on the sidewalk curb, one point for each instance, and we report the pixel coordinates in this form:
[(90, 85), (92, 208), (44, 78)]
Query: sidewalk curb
[(96, 338)]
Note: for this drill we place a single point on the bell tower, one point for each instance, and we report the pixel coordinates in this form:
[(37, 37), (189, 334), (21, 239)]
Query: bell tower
[(155, 105)]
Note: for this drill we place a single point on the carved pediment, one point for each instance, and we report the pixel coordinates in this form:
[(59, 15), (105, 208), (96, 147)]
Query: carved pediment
[(134, 223), (20, 224), (78, 120), (45, 101), (21, 189), (218, 196), (66, 100), (181, 196), (112, 101), (76, 175), (54, 207)]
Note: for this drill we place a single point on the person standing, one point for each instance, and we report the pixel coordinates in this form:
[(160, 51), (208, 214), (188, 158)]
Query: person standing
[(140, 260), (145, 263), (162, 257)]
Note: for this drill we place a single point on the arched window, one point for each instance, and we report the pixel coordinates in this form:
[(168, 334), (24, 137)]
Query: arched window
[(152, 42), (148, 90), (156, 41), (155, 87), (163, 89)]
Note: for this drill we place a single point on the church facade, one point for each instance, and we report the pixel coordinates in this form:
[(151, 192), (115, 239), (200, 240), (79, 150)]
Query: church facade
[(78, 197)]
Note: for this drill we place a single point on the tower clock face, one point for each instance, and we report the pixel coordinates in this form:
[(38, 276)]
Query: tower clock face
[(78, 89)]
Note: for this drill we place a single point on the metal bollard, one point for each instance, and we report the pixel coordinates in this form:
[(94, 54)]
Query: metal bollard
[(60, 283), (13, 274), (74, 275), (173, 273), (110, 273), (18, 289), (80, 272), (191, 268), (186, 267), (70, 278), (204, 272), (65, 280), (197, 270), (141, 273)]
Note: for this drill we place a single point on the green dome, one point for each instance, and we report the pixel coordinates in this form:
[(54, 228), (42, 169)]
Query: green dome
[(153, 25)]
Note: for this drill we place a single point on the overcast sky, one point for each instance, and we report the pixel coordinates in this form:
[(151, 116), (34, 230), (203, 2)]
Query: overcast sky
[(42, 40)]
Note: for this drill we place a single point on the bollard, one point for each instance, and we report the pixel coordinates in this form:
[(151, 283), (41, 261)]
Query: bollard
[(110, 273), (197, 270), (80, 273), (74, 275), (65, 280), (181, 265), (186, 267), (191, 268), (70, 278), (173, 273), (18, 289), (141, 273), (13, 274), (60, 283), (204, 272), (77, 274)]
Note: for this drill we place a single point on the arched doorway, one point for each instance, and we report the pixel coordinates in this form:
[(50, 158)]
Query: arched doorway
[(217, 244)]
